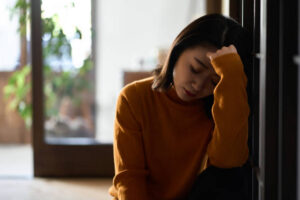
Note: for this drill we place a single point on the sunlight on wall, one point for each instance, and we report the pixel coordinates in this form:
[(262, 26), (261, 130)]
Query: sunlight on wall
[(129, 36), (225, 7), (9, 37)]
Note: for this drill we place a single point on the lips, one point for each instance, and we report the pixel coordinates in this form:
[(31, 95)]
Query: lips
[(189, 93)]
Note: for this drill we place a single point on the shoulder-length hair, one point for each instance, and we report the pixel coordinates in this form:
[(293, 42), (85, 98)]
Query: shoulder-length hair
[(215, 29)]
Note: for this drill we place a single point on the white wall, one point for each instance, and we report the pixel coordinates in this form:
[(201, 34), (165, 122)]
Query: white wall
[(128, 30), (9, 37)]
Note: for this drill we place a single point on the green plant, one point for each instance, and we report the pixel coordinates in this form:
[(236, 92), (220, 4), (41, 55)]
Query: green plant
[(56, 83), (21, 7), (65, 83), (17, 91)]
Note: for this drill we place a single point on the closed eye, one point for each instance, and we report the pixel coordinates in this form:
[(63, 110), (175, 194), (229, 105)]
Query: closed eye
[(193, 70), (201, 63)]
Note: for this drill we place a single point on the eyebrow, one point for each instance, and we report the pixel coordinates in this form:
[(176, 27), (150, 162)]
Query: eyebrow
[(200, 62)]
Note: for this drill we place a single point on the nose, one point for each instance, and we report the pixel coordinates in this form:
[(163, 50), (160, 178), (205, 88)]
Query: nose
[(199, 83), (196, 87)]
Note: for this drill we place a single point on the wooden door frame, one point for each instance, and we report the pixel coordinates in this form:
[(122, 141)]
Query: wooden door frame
[(251, 19), (245, 13), (279, 93), (275, 100), (297, 61), (288, 93), (236, 10), (91, 159), (269, 100)]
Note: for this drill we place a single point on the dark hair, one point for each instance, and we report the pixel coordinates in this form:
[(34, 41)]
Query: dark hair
[(215, 29)]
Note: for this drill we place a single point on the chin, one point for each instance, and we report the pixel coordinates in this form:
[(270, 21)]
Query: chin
[(187, 98), (184, 97)]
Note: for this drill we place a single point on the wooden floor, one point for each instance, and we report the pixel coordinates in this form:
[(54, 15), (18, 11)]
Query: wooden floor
[(54, 189), (17, 181)]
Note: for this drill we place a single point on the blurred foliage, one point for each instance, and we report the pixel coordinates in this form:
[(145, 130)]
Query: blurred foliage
[(17, 90), (21, 9), (57, 83), (65, 83)]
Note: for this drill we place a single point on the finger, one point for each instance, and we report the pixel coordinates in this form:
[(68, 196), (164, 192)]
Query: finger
[(209, 55), (219, 50), (233, 48)]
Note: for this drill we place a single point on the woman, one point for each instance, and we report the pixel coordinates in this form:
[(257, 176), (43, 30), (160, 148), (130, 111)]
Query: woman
[(189, 120)]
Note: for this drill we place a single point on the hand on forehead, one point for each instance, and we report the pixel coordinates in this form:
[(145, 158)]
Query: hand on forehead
[(224, 50)]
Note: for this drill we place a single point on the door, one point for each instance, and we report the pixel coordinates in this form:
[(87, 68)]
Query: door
[(275, 95), (289, 101), (60, 156), (278, 100)]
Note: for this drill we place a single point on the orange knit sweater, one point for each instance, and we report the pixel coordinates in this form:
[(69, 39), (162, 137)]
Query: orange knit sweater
[(161, 143)]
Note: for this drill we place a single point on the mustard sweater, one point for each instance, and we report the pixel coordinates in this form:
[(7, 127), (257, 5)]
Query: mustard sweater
[(161, 143)]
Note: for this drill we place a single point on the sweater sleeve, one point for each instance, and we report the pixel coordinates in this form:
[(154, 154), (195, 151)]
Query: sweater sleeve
[(129, 182), (228, 147)]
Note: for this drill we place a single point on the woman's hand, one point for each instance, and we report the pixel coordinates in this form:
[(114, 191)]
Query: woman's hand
[(222, 51)]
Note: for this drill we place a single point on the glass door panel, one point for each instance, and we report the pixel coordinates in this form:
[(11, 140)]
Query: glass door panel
[(68, 71)]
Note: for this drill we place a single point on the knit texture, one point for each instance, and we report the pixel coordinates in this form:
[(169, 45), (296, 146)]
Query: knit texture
[(162, 143)]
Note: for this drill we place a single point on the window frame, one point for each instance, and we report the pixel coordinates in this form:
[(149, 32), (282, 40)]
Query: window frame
[(60, 160)]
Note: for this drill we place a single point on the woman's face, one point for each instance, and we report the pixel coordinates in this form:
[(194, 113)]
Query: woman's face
[(193, 74)]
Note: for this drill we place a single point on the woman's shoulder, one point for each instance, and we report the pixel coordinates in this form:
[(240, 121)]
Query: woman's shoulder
[(142, 86)]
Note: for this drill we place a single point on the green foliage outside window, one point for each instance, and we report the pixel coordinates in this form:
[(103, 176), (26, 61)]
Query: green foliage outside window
[(56, 83)]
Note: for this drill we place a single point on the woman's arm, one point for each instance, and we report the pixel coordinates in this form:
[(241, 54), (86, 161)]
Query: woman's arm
[(228, 147), (129, 182)]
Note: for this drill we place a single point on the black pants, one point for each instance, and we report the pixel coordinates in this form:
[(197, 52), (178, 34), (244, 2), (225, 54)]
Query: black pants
[(221, 184)]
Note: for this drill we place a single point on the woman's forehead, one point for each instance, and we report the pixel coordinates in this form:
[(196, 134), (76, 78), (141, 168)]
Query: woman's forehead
[(201, 51)]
